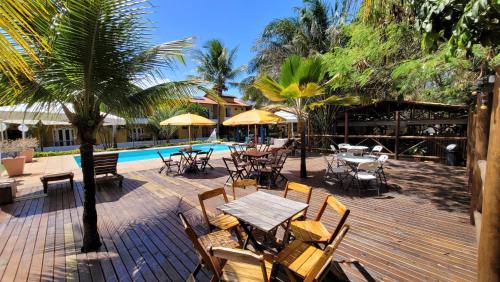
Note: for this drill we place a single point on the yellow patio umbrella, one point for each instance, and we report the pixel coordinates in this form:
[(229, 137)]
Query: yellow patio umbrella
[(254, 117), (188, 120)]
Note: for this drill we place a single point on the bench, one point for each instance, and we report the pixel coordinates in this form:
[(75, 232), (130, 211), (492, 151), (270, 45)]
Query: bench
[(105, 165), (56, 177)]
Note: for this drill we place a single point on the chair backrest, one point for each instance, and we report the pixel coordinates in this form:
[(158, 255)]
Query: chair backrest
[(229, 163), (339, 208), (264, 147), (382, 159), (323, 264), (288, 143), (244, 183), (210, 151), (301, 188), (343, 146), (241, 256), (161, 156), (202, 197), (105, 163), (334, 150), (204, 254), (369, 166), (377, 149), (233, 150)]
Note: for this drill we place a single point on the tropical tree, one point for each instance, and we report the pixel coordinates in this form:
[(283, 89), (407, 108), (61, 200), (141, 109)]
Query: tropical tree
[(161, 114), (22, 24), (462, 24), (216, 66), (99, 54), (300, 80)]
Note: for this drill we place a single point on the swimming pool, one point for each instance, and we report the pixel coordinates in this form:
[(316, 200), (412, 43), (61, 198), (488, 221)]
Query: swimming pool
[(146, 154)]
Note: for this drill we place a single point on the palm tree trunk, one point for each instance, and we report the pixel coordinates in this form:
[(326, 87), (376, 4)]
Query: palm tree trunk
[(303, 167), (91, 238)]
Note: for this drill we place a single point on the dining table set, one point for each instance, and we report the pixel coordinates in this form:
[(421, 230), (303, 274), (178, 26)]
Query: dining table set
[(257, 162), (357, 163), (187, 160)]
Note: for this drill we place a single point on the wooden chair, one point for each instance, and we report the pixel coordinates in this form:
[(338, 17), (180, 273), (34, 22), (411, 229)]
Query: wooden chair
[(313, 231), (202, 245), (105, 165), (243, 265), (301, 188), (203, 159), (234, 171), (221, 221), (306, 261), (244, 183)]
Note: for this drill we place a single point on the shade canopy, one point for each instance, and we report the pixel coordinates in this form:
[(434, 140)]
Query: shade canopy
[(47, 114), (289, 117), (187, 120), (253, 117)]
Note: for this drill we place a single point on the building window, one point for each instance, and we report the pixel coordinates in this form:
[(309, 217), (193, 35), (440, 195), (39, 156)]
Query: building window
[(229, 112), (136, 133), (64, 137)]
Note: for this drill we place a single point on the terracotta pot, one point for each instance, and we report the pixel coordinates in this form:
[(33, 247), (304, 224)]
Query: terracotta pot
[(14, 166), (28, 153)]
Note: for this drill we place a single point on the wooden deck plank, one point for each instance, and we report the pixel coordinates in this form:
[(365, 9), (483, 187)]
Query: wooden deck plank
[(418, 230)]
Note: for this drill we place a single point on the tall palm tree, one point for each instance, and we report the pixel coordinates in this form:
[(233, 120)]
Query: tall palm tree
[(300, 81), (21, 26), (216, 66), (98, 56)]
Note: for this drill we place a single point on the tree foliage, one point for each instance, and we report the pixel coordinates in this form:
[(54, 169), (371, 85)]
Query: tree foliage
[(462, 23)]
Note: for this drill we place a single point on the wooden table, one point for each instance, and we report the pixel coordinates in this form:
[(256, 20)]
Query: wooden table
[(253, 155), (190, 157), (265, 212)]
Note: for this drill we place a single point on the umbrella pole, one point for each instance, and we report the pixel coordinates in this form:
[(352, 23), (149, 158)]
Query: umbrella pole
[(255, 134), (189, 133)]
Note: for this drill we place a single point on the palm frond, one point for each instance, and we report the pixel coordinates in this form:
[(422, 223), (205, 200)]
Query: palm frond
[(270, 88), (337, 101)]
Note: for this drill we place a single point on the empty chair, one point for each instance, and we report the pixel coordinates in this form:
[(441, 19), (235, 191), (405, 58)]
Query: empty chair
[(264, 147), (243, 184), (170, 163), (306, 262), (335, 169), (382, 160), (364, 174), (376, 150), (234, 171), (334, 150), (314, 231), (300, 188), (203, 243), (343, 147), (243, 265), (203, 159), (221, 221)]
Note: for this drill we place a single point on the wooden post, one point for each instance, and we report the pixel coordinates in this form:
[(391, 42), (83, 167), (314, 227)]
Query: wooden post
[(489, 243), (396, 134), (480, 151), (346, 127)]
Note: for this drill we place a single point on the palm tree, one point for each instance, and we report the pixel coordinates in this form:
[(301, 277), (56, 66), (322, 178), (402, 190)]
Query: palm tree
[(300, 81), (21, 26), (97, 58), (216, 66)]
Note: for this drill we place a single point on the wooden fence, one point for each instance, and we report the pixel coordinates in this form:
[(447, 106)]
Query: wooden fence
[(400, 147)]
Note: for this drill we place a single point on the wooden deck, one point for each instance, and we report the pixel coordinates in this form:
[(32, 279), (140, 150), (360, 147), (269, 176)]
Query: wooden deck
[(418, 230)]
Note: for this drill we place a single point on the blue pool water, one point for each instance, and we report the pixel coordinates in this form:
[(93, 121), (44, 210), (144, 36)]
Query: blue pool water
[(146, 154)]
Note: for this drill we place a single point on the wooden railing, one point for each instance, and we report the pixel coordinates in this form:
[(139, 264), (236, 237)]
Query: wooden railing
[(434, 147)]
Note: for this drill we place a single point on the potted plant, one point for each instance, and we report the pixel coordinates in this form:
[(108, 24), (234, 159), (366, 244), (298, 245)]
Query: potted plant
[(28, 146), (14, 164), (417, 153)]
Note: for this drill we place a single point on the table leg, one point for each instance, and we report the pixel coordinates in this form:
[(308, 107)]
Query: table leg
[(286, 235), (255, 244)]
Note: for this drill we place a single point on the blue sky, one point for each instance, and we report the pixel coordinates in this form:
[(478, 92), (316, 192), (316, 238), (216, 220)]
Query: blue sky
[(236, 23)]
